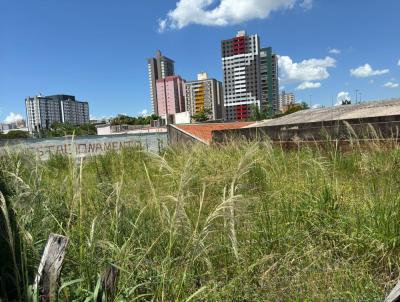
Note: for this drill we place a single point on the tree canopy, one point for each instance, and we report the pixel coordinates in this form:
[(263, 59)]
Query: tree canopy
[(60, 129), (122, 119), (203, 115), (15, 134)]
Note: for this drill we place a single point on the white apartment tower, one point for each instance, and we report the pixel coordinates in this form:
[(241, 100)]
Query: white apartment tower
[(43, 111), (287, 98)]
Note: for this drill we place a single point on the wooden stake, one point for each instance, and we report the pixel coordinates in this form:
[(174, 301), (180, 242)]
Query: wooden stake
[(46, 281), (394, 295), (108, 283)]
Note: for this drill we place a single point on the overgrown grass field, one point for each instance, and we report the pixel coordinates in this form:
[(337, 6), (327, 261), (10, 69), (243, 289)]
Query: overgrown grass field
[(242, 222)]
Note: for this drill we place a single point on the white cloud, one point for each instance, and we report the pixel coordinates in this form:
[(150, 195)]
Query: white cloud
[(306, 70), (144, 112), (342, 96), (367, 71), (308, 85), (316, 106), (391, 85), (306, 4), (335, 51), (371, 81), (162, 24), (398, 63), (13, 118), (226, 12), (99, 118)]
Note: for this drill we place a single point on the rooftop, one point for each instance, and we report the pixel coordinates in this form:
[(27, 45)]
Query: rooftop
[(203, 131), (344, 112)]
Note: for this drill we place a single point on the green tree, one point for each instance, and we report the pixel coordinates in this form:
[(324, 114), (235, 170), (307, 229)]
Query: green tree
[(60, 129), (203, 115), (15, 134), (259, 115), (294, 108), (121, 119), (304, 105)]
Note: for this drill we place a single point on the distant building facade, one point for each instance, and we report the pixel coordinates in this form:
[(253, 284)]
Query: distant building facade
[(170, 96), (269, 81), (250, 77), (44, 111), (5, 128), (287, 98), (205, 95), (18, 124), (159, 68)]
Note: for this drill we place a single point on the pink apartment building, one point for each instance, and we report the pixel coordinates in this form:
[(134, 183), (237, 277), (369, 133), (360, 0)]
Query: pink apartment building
[(170, 95)]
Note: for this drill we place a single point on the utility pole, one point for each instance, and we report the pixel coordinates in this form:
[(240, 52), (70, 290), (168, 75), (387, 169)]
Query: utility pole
[(310, 100), (356, 95)]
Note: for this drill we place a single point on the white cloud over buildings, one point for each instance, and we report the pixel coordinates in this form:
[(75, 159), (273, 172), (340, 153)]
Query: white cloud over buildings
[(224, 12), (342, 96), (13, 118), (308, 85), (308, 73)]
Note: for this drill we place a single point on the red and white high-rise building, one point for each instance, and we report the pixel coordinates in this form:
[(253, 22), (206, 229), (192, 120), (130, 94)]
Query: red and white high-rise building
[(250, 77), (242, 79)]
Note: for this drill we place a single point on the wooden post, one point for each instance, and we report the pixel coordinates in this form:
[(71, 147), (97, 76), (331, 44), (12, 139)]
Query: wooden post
[(108, 283), (394, 295), (46, 281)]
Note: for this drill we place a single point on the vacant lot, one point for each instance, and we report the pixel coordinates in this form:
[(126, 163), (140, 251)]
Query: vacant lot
[(243, 222)]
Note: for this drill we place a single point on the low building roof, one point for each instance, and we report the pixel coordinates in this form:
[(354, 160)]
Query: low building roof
[(343, 112), (203, 131)]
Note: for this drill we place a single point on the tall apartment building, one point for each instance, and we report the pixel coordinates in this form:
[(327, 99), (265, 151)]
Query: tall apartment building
[(170, 96), (205, 94), (158, 68), (43, 111), (287, 98), (241, 68), (269, 81), (250, 76)]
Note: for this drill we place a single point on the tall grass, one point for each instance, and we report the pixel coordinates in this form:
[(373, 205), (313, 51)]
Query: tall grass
[(242, 222)]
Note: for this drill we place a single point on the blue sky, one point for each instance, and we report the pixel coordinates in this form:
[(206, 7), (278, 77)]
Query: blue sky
[(97, 49)]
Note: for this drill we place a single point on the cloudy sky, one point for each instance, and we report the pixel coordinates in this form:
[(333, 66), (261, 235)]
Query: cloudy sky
[(97, 49)]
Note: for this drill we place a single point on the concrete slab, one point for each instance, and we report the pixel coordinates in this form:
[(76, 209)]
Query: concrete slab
[(344, 112)]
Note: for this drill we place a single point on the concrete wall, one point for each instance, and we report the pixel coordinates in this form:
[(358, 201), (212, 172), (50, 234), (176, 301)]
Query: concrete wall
[(111, 129), (84, 145), (176, 136), (368, 128), (182, 118), (103, 130)]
